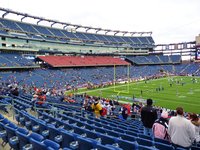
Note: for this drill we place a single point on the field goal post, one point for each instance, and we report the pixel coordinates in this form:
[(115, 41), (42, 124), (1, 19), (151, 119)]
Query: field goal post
[(127, 82)]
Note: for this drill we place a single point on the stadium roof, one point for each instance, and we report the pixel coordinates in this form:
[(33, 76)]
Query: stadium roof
[(76, 26)]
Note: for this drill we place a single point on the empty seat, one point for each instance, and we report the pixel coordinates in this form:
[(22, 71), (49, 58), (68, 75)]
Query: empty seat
[(104, 147), (127, 145), (68, 138), (144, 136), (128, 137), (145, 142), (54, 134), (10, 132), (161, 141), (142, 147), (23, 138), (85, 144), (44, 145), (163, 146), (105, 139)]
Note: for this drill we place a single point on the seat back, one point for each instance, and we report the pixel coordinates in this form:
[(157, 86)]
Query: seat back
[(84, 144), (10, 130), (145, 142), (68, 138), (36, 136), (105, 139), (23, 139), (127, 145), (51, 144), (163, 146), (37, 145)]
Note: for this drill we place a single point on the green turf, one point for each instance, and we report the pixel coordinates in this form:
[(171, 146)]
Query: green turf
[(187, 96)]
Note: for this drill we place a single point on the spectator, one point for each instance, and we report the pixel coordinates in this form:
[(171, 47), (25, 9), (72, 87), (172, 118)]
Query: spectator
[(196, 122), (96, 107), (181, 130), (33, 100), (160, 127), (41, 98), (148, 116), (108, 108), (15, 92), (124, 112)]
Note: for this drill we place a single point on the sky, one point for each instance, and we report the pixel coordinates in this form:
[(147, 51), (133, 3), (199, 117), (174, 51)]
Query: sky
[(171, 21)]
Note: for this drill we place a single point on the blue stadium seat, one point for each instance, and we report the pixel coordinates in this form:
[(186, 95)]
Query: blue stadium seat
[(35, 125), (106, 139), (161, 141), (195, 147), (43, 129), (142, 141), (85, 144), (68, 138), (79, 131), (91, 134), (54, 134), (104, 147), (128, 137), (142, 147), (22, 135), (127, 145), (163, 146), (144, 136), (44, 145), (10, 132)]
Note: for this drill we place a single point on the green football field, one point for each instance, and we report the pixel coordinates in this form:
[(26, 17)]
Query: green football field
[(184, 91)]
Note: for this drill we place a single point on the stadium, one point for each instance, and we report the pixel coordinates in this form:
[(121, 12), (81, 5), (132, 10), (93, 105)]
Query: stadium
[(50, 78)]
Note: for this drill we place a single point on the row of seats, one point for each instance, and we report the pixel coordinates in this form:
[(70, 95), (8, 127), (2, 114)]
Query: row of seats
[(80, 77), (20, 138), (70, 61), (59, 35), (73, 131), (14, 60), (155, 59), (78, 137)]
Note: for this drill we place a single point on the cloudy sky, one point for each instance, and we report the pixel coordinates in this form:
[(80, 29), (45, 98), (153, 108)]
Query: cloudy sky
[(170, 21)]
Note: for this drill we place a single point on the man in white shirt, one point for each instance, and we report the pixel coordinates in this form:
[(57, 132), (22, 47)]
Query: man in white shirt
[(181, 130)]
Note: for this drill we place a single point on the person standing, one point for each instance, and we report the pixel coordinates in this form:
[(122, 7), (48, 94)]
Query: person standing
[(96, 107), (181, 130), (148, 116), (160, 127), (196, 122)]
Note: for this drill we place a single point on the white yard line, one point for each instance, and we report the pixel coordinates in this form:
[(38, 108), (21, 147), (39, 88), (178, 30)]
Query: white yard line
[(101, 89)]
